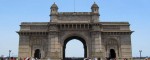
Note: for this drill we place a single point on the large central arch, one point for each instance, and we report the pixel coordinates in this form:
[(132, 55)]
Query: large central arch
[(78, 38)]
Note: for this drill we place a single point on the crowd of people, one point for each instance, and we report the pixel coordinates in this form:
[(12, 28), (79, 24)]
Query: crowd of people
[(7, 58), (28, 58)]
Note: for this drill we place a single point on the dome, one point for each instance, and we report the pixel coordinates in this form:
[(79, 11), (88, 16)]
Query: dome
[(54, 6), (94, 5)]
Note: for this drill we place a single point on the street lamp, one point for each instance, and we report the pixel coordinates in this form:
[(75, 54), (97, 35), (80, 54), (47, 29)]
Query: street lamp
[(9, 54), (140, 53)]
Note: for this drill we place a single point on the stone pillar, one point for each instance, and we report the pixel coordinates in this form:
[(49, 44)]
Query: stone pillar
[(24, 48), (126, 46), (96, 45), (54, 46)]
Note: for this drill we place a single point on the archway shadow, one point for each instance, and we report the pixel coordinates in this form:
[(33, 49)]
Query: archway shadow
[(37, 54), (112, 54)]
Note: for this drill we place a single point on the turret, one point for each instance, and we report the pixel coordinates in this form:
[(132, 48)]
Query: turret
[(53, 13), (54, 9), (95, 13), (95, 8)]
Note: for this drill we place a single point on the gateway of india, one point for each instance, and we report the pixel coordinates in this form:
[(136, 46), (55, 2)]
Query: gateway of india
[(47, 40)]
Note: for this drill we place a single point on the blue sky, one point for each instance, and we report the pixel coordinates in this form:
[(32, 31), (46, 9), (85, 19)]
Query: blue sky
[(13, 12)]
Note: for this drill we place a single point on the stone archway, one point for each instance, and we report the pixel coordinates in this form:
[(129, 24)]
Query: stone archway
[(78, 38), (37, 54), (51, 37), (112, 54), (112, 48)]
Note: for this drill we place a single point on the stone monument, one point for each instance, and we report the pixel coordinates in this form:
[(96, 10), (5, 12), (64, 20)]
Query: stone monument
[(44, 40)]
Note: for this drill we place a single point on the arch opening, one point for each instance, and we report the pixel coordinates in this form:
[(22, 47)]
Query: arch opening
[(112, 54), (79, 39), (37, 54)]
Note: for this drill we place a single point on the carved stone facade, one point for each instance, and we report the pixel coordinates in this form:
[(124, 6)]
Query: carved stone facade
[(48, 39)]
